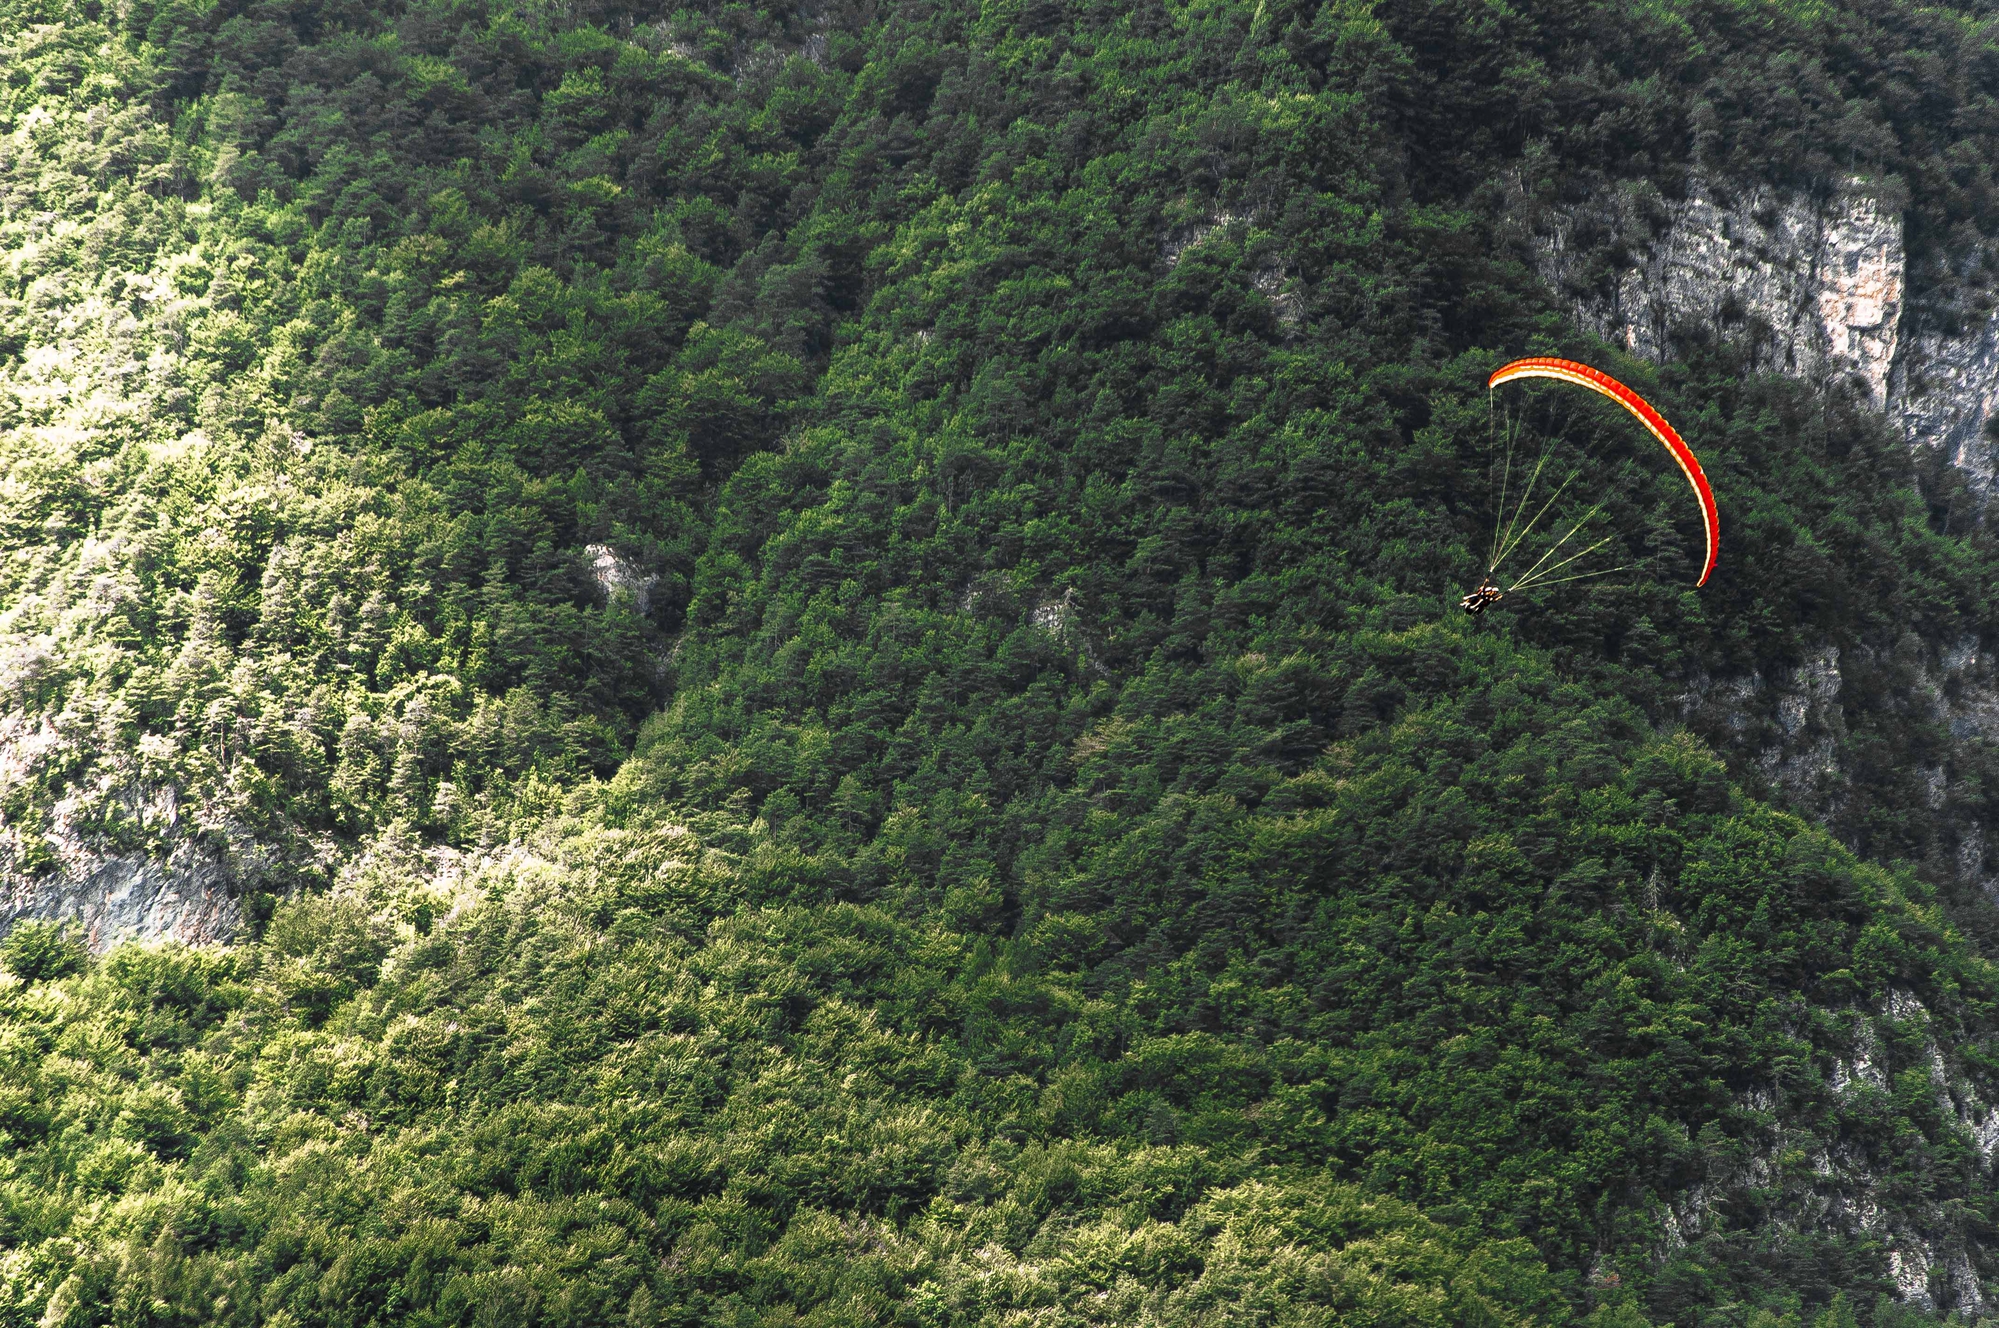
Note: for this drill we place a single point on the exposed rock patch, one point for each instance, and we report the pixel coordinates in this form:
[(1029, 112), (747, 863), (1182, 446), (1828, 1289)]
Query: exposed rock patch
[(1180, 240), (1946, 389), (1928, 1246), (187, 898), (1055, 616), (1272, 278), (615, 576), (1789, 726), (1813, 286)]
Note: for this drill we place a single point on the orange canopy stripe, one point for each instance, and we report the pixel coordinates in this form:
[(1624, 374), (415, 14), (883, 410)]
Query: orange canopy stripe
[(1596, 380)]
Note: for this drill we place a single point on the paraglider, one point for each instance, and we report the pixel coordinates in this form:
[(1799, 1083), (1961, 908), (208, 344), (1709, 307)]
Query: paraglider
[(1483, 598), (1509, 532)]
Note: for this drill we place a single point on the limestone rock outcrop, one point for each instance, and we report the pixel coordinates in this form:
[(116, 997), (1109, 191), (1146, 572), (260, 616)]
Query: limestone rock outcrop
[(187, 898), (1815, 287), (615, 575), (1945, 392)]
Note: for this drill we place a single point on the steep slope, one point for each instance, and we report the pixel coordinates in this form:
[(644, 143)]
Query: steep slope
[(817, 645), (328, 489), (1820, 288)]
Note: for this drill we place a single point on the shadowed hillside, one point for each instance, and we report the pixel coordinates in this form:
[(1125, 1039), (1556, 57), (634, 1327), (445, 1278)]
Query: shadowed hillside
[(773, 666)]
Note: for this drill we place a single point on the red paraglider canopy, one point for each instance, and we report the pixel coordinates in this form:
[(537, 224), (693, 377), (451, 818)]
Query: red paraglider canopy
[(1571, 371)]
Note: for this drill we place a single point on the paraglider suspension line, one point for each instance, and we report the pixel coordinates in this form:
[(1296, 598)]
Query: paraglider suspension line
[(1556, 547), (1512, 525), (1544, 582), (1516, 533)]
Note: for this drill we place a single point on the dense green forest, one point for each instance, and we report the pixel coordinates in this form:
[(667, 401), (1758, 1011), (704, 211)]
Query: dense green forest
[(820, 641)]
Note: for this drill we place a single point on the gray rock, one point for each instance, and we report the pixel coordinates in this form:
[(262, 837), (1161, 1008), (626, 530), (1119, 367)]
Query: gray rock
[(615, 576), (188, 898), (1944, 392), (1814, 286)]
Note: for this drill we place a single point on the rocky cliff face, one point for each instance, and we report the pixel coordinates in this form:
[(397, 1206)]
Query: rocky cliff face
[(1819, 288), (171, 872), (186, 898), (1944, 393), (1815, 287), (169, 887), (1809, 1163)]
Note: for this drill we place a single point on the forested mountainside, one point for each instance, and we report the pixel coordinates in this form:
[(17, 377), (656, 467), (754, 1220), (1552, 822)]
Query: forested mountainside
[(799, 665)]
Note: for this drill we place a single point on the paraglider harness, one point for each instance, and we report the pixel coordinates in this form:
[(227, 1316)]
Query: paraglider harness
[(1483, 598)]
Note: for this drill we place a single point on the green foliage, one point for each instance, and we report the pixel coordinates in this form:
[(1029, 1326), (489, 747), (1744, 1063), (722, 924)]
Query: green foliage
[(322, 951), (602, 1085), (836, 624), (528, 1111), (41, 951)]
